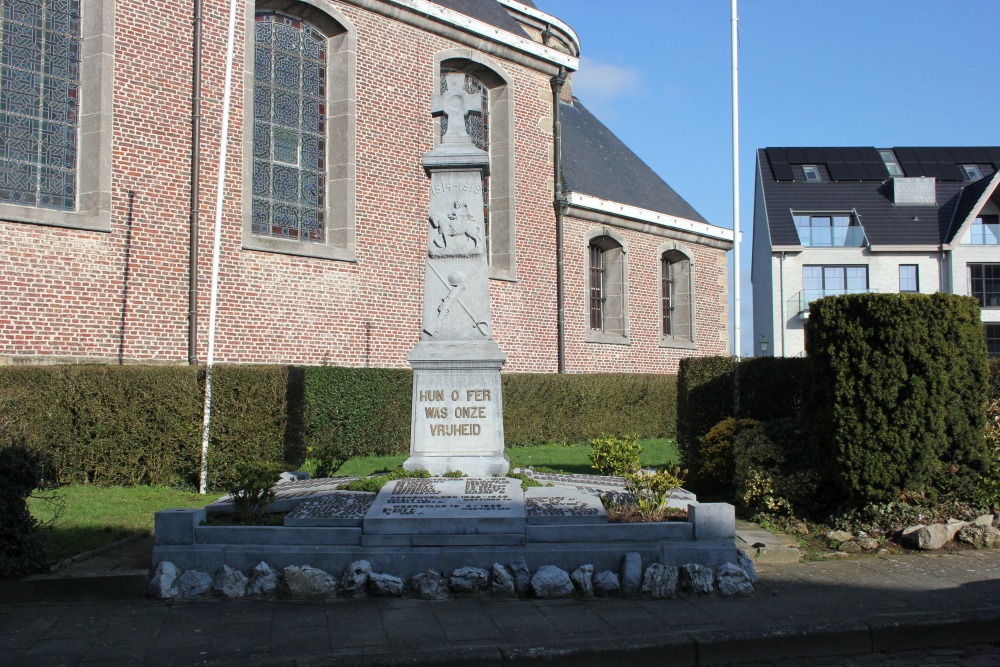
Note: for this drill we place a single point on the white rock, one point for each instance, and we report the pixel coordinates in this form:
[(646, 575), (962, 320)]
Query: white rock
[(583, 580), (953, 526), (466, 580), (429, 585), (383, 585), (984, 520), (263, 580), (745, 564), (632, 573), (606, 583), (698, 579), (229, 583), (309, 582), (522, 576), (931, 537), (501, 581), (551, 582), (868, 543), (979, 536), (354, 581), (839, 536), (733, 581), (660, 581), (193, 584), (163, 584)]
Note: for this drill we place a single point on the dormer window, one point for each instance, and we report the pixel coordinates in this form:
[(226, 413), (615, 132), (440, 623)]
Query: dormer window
[(972, 172), (829, 230), (985, 230), (891, 164), (811, 173)]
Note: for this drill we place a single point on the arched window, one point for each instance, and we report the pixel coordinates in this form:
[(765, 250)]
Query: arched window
[(299, 174), (607, 290), (676, 298), (55, 65), (492, 131)]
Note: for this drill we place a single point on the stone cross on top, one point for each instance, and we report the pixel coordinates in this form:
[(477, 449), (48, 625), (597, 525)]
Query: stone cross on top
[(454, 103)]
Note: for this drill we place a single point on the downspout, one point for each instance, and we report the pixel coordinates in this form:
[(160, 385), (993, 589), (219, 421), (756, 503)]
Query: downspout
[(781, 284), (195, 188), (559, 204)]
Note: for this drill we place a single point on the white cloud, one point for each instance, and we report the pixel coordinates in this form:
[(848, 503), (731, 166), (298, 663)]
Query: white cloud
[(602, 82)]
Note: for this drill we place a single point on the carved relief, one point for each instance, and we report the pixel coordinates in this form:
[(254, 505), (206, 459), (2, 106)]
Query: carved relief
[(455, 232), (455, 284)]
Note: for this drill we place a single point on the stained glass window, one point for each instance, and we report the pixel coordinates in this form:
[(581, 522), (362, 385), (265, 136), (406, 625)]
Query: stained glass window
[(289, 132), (477, 126), (39, 102)]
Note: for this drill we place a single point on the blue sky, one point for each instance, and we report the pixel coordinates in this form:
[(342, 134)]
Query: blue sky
[(811, 73)]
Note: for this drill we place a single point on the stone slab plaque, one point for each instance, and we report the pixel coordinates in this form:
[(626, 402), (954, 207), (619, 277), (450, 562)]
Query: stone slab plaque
[(447, 506), (337, 509), (563, 506), (288, 495)]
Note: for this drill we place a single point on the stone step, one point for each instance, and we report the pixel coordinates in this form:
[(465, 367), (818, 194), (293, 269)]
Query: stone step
[(764, 547)]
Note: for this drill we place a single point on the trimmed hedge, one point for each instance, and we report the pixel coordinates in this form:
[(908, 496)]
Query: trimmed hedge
[(769, 388), (126, 425), (897, 388), (544, 408)]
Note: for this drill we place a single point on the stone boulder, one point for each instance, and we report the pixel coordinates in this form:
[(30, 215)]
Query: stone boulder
[(583, 580), (733, 581), (606, 583), (660, 581), (522, 576), (263, 580), (632, 573), (984, 520), (933, 536), (868, 543), (308, 582), (229, 583), (429, 585), (979, 536), (163, 584), (745, 564), (354, 581), (839, 536), (385, 585), (501, 581), (551, 582), (194, 584), (469, 580), (697, 578)]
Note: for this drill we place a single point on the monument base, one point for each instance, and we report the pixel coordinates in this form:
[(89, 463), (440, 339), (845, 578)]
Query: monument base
[(476, 466)]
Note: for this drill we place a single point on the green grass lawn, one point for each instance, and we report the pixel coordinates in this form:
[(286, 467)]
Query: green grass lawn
[(564, 458), (93, 516)]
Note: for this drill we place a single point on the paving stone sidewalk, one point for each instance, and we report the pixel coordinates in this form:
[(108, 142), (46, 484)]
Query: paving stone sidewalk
[(876, 611)]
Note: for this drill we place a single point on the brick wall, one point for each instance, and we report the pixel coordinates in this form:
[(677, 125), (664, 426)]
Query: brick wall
[(123, 294)]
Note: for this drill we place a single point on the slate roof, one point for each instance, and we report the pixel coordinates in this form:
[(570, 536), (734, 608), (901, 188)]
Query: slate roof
[(595, 162), (487, 11), (884, 222)]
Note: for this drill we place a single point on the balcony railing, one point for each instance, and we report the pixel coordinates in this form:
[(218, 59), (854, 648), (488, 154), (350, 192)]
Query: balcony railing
[(832, 237), (798, 304)]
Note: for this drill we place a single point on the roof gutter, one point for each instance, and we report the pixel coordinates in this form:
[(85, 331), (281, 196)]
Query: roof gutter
[(645, 215), (560, 204)]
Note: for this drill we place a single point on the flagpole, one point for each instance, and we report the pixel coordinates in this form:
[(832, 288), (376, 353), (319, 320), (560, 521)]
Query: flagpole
[(734, 23)]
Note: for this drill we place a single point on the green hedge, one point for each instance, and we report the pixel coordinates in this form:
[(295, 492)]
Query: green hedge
[(142, 424), (546, 408), (769, 388), (897, 387)]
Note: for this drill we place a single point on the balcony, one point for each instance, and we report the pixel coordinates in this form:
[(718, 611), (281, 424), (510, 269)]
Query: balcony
[(832, 237), (798, 304)]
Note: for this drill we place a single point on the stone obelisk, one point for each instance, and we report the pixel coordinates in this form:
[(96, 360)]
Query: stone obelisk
[(457, 419)]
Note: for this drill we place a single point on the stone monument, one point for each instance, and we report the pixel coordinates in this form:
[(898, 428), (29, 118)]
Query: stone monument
[(457, 421)]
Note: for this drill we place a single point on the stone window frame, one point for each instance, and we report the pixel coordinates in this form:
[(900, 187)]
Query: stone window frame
[(503, 257), (615, 319), (341, 130), (683, 262), (93, 171)]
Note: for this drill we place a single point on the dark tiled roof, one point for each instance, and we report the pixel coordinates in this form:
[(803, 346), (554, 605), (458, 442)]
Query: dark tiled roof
[(967, 201), (487, 11), (595, 162), (884, 222)]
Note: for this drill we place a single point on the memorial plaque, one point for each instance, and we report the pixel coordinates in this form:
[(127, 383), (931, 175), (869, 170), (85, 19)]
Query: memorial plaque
[(447, 506), (337, 509), (563, 506), (287, 495)]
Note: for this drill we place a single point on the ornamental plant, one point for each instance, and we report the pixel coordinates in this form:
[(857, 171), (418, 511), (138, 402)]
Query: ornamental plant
[(612, 455)]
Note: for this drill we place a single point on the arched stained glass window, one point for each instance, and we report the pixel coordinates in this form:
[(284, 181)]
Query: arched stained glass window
[(39, 102), (289, 131), (477, 126)]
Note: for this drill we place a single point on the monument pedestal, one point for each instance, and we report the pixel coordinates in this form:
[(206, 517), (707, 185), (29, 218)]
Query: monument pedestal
[(457, 421)]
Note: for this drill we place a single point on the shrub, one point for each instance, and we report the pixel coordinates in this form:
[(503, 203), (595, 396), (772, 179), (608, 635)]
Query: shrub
[(252, 489), (543, 408), (22, 549), (771, 476), (615, 456), (897, 386), (989, 483), (704, 398), (652, 489), (718, 470)]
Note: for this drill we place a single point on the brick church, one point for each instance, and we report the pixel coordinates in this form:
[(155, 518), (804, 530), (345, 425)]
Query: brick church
[(110, 119)]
